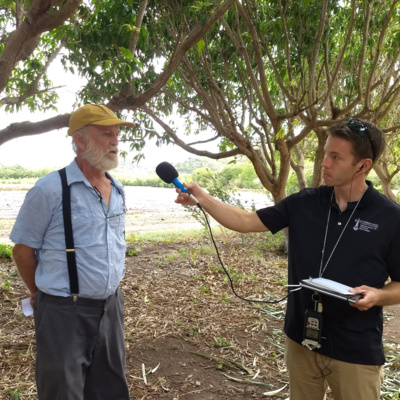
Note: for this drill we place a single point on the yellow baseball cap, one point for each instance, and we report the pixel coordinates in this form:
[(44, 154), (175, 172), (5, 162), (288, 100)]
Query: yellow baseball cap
[(93, 114)]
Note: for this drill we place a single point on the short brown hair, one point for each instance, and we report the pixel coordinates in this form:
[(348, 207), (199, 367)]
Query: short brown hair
[(367, 139)]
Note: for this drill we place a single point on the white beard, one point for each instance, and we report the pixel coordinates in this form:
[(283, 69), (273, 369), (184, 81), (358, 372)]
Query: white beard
[(99, 159)]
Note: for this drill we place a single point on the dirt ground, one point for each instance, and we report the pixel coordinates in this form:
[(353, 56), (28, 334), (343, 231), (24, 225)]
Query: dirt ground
[(188, 337)]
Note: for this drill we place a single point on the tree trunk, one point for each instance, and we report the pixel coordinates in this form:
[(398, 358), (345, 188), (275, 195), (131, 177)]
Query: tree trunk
[(385, 179)]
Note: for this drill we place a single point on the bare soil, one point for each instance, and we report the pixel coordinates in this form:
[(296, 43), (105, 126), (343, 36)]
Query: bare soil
[(187, 336)]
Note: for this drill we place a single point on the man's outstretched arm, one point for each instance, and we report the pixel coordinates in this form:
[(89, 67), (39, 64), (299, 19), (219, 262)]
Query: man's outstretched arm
[(229, 216)]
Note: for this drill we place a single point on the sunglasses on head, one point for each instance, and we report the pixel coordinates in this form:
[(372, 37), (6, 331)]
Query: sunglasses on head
[(358, 126)]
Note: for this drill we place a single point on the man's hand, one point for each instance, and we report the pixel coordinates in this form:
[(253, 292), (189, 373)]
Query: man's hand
[(32, 299), (194, 189), (370, 297), (388, 295)]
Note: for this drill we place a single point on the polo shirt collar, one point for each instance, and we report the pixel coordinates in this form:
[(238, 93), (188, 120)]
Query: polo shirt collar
[(369, 196)]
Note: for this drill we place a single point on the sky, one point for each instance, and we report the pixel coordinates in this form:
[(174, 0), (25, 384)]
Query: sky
[(53, 149), (44, 150)]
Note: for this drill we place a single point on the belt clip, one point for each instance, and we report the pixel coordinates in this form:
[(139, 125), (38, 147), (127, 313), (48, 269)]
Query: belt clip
[(75, 297)]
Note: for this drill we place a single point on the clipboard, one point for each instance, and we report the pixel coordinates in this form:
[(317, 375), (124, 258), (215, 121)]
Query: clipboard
[(331, 288)]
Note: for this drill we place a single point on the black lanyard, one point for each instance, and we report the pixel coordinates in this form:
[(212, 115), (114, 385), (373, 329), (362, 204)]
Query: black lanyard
[(321, 271)]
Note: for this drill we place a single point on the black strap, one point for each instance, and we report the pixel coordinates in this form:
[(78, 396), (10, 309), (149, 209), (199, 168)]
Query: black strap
[(69, 238)]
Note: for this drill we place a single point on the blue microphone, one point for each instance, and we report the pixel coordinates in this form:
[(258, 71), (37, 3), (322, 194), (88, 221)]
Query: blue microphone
[(179, 185), (169, 174)]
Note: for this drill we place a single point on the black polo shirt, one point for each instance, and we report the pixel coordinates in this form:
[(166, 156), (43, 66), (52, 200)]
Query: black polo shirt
[(367, 254)]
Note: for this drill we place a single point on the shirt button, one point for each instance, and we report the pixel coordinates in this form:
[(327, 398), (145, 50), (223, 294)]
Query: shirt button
[(339, 223)]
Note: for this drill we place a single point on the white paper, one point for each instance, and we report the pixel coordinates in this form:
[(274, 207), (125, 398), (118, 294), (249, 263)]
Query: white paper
[(26, 307)]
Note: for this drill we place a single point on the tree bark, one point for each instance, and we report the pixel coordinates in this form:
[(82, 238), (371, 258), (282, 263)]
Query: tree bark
[(23, 41), (27, 128), (385, 181)]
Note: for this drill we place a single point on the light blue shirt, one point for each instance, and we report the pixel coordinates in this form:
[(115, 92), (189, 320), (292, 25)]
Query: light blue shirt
[(98, 234)]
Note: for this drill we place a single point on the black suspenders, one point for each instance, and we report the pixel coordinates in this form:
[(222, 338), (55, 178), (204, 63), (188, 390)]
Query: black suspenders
[(69, 238)]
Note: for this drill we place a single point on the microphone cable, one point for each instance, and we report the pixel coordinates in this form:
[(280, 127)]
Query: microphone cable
[(227, 273), (169, 174)]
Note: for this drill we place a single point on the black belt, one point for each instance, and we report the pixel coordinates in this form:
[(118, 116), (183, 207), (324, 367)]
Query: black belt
[(80, 301)]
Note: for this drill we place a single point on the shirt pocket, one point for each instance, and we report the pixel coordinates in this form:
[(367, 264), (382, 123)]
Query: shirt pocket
[(84, 228), (117, 223)]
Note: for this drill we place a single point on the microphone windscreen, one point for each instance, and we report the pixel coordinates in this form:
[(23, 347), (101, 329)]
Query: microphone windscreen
[(166, 172)]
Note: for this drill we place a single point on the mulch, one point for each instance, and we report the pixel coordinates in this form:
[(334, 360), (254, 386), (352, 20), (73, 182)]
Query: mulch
[(187, 335)]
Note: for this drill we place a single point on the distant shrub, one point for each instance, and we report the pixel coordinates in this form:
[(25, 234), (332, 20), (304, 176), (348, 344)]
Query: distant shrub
[(18, 172)]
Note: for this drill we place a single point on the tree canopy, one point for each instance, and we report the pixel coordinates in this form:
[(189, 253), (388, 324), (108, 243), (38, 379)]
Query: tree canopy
[(263, 79)]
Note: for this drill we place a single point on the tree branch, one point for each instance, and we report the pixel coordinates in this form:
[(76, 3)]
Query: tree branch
[(216, 118), (367, 99), (26, 128), (19, 12), (364, 49), (333, 78), (194, 36), (385, 108), (23, 41), (182, 144), (32, 89), (269, 106), (313, 61), (287, 44), (20, 99), (139, 20)]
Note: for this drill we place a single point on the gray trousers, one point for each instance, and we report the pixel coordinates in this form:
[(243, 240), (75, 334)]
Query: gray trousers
[(80, 348)]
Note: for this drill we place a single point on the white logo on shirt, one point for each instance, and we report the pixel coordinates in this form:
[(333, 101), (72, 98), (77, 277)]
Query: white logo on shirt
[(365, 226)]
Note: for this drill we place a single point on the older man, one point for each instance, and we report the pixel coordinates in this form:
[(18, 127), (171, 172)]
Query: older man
[(70, 252)]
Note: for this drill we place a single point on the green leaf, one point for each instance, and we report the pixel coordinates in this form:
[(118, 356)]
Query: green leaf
[(280, 134), (200, 46), (126, 53)]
